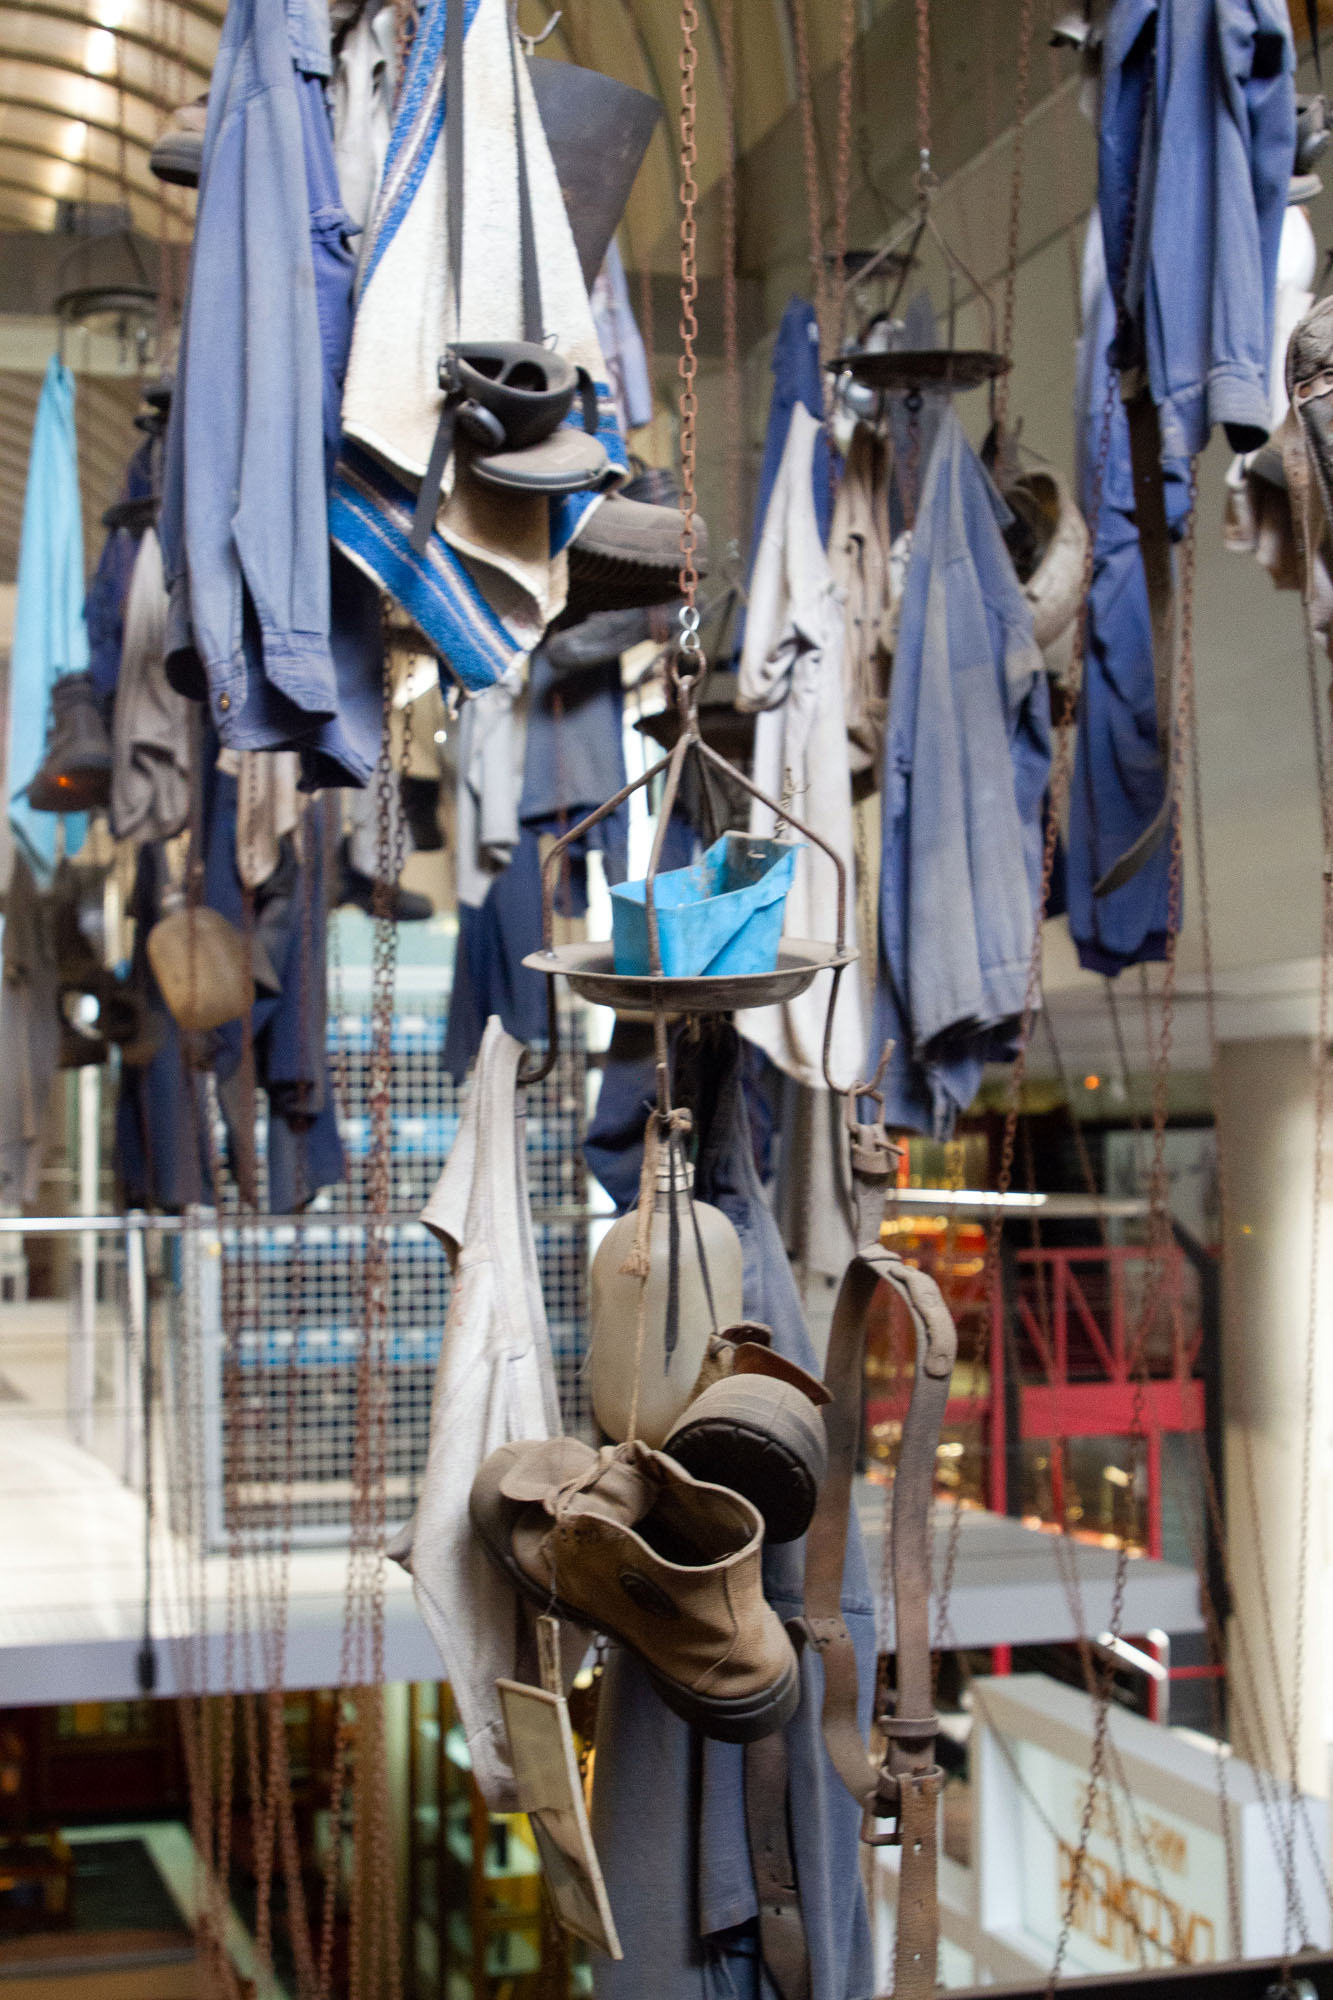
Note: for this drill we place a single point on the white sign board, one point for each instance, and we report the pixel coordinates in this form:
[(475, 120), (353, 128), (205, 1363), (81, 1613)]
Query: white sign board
[(1154, 1887)]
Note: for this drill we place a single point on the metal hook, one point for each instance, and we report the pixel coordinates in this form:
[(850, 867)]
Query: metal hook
[(874, 1089)]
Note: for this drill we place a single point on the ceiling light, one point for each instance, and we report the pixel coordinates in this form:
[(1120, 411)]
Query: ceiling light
[(1092, 1081), (1117, 1475), (99, 52), (76, 139), (111, 13)]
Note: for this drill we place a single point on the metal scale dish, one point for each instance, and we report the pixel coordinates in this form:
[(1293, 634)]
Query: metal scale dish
[(590, 970), (590, 967)]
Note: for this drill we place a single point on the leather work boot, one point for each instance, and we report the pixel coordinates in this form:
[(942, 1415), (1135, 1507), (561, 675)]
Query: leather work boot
[(627, 553), (754, 1424), (625, 1540)]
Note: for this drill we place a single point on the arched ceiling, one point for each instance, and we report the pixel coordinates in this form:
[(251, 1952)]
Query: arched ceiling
[(85, 86)]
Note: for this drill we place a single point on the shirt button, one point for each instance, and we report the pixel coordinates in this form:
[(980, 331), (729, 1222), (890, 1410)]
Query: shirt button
[(224, 702)]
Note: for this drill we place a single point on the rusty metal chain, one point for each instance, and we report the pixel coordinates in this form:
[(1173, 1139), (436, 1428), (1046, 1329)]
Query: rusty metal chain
[(1027, 23), (819, 287), (842, 183), (688, 365), (373, 1946), (731, 359), (923, 180)]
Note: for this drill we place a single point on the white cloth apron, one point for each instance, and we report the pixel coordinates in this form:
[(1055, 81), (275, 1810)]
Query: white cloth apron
[(791, 671), (495, 1382)]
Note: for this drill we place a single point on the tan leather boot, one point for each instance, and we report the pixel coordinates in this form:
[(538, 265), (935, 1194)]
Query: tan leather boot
[(755, 1423), (625, 1540)]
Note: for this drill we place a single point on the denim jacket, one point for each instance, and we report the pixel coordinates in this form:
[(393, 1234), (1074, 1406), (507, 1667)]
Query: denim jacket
[(245, 511), (965, 767), (1198, 113)]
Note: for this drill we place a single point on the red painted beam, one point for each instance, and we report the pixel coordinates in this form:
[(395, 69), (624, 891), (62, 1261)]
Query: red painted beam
[(1106, 1409)]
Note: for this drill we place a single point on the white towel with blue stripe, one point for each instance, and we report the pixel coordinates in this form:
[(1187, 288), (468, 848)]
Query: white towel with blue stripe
[(494, 573)]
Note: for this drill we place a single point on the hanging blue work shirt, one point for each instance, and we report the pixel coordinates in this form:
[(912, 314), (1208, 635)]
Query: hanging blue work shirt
[(1196, 144), (50, 632), (966, 760)]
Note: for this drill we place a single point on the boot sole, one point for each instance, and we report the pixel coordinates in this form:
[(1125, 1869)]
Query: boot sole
[(742, 1719), (775, 1455)]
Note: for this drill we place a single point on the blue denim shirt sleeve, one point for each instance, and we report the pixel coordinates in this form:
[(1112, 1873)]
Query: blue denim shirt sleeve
[(247, 466), (1198, 113)]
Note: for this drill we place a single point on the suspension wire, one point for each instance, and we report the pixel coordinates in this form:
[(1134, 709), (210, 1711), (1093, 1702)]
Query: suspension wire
[(1310, 1359), (1262, 1755)]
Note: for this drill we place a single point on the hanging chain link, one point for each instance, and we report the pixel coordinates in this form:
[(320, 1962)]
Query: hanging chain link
[(842, 185), (688, 366), (924, 179), (819, 287), (1027, 23), (731, 361), (374, 1964)]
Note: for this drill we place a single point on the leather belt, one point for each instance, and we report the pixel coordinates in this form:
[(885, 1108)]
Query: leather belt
[(782, 1942), (907, 1785)]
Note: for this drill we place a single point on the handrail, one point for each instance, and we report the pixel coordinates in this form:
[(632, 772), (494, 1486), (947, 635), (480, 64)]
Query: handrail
[(980, 1201)]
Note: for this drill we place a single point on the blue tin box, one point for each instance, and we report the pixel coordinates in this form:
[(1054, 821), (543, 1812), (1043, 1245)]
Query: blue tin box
[(723, 915)]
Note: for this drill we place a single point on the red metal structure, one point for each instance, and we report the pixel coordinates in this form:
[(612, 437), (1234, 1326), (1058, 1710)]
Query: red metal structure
[(1065, 1366)]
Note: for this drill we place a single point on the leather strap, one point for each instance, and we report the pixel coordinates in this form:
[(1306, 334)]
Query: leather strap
[(912, 1729), (916, 1947), (781, 1930), (530, 277), (1145, 456), (428, 494), (453, 148), (588, 410)]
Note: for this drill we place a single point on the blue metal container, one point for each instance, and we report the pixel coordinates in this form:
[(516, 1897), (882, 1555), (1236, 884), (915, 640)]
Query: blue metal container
[(723, 915)]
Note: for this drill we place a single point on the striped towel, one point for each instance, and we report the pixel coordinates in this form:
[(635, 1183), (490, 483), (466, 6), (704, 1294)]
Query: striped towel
[(494, 572)]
